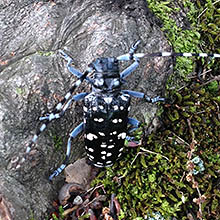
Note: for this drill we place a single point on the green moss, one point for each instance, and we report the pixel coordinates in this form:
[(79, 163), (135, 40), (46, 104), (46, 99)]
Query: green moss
[(20, 91), (45, 53), (203, 32), (152, 182), (213, 86)]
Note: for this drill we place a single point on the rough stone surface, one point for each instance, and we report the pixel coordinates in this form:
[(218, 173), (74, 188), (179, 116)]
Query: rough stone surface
[(33, 78), (80, 172)]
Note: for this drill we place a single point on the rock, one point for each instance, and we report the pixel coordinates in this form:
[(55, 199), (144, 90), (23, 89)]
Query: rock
[(4, 209), (33, 78), (67, 190), (80, 172)]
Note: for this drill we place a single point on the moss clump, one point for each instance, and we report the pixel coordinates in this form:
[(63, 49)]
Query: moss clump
[(199, 31)]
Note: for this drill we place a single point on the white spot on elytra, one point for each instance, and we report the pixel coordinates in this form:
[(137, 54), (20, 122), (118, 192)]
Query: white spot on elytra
[(85, 108), (124, 98), (122, 135), (103, 145), (99, 119), (121, 149), (114, 132), (101, 133), (115, 107), (103, 152), (101, 107), (110, 140), (90, 156), (94, 109), (109, 154), (119, 120), (121, 107), (91, 149), (115, 120), (91, 136), (98, 165), (119, 154), (108, 162), (103, 157), (110, 146)]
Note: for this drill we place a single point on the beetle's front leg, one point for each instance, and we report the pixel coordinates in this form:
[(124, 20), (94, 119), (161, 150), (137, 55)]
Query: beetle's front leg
[(73, 134), (130, 56), (74, 71)]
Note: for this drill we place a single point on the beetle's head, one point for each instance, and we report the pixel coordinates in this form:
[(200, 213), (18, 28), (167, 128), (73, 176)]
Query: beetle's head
[(106, 77)]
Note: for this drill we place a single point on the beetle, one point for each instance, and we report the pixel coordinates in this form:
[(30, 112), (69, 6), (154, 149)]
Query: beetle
[(105, 108)]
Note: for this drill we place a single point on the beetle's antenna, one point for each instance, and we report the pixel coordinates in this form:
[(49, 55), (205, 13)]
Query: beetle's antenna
[(174, 54)]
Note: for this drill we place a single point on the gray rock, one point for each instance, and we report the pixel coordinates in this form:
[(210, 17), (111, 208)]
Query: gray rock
[(33, 78)]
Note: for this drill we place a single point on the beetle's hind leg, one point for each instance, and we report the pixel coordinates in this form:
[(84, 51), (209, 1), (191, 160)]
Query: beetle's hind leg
[(73, 134), (135, 124)]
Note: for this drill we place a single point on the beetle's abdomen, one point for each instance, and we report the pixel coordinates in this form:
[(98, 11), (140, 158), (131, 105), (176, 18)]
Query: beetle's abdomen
[(105, 118)]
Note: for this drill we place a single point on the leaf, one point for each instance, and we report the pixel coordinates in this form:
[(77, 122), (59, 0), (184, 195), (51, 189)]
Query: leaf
[(172, 197), (214, 206)]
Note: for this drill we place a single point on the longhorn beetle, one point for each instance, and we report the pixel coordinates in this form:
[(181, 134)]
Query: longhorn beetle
[(105, 108)]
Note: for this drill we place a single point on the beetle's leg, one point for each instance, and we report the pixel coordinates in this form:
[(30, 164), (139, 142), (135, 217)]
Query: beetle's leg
[(74, 71), (57, 113), (143, 96), (129, 69), (58, 108), (133, 49), (61, 112), (130, 56), (73, 134), (135, 125)]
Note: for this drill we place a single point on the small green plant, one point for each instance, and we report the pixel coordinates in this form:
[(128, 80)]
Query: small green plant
[(58, 142), (54, 217), (45, 53), (20, 91)]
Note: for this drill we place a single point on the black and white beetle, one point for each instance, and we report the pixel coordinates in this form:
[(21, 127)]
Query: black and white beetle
[(105, 108)]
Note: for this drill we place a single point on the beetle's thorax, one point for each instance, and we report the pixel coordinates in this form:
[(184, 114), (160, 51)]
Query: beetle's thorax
[(106, 75)]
